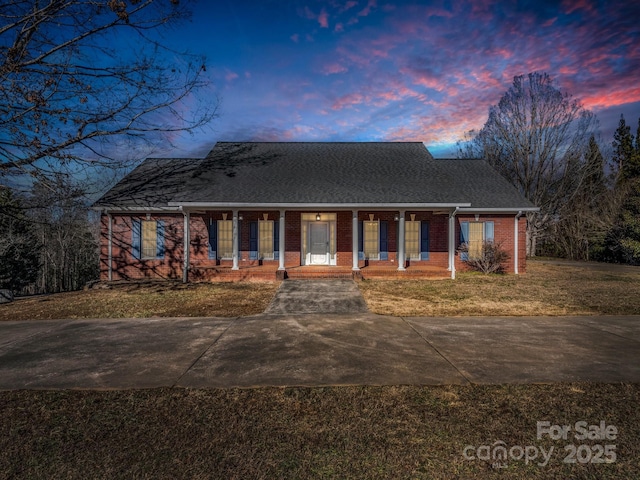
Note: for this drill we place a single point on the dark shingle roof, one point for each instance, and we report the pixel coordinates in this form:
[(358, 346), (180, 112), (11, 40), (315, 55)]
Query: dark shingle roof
[(315, 173)]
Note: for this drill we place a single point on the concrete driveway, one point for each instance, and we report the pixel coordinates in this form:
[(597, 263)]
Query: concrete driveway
[(317, 349)]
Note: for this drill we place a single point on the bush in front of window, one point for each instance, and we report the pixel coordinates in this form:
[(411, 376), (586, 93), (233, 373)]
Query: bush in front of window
[(488, 259)]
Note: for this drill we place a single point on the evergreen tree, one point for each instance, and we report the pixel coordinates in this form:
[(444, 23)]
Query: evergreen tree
[(622, 146), (623, 241)]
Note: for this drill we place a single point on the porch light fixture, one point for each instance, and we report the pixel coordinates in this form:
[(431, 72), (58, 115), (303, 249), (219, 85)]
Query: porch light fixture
[(317, 217), (240, 217), (396, 217)]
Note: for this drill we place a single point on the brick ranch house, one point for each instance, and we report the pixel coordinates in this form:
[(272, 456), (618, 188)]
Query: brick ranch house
[(280, 210)]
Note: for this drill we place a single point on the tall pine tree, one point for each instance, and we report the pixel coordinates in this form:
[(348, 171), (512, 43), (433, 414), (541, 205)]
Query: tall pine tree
[(623, 241)]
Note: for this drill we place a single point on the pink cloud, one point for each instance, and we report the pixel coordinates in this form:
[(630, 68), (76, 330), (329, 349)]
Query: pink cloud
[(230, 76), (367, 10), (348, 6), (348, 101), (323, 19), (571, 6), (339, 28), (612, 98), (295, 38), (334, 68)]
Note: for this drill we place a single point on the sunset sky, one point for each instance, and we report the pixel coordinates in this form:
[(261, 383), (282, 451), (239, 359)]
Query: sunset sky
[(377, 70)]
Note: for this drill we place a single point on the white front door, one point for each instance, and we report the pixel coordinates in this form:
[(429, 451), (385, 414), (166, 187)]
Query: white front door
[(319, 243)]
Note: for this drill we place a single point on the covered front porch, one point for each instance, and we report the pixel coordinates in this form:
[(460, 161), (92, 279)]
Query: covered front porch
[(267, 243), (269, 272)]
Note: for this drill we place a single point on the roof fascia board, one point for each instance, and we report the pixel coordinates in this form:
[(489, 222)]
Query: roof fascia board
[(136, 209), (315, 206), (498, 210)]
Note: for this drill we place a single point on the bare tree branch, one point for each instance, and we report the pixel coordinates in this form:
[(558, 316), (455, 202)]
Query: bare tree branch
[(536, 137), (80, 76)]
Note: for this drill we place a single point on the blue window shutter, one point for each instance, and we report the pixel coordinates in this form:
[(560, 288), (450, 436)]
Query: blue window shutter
[(464, 232), (213, 240), (276, 239), (384, 240), (160, 239), (424, 241), (253, 240), (135, 239), (464, 238), (488, 231), (360, 241)]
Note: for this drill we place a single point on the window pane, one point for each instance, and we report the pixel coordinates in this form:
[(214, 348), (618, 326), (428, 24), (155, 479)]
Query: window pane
[(412, 240), (476, 238), (265, 239), (225, 238), (371, 249), (149, 239)]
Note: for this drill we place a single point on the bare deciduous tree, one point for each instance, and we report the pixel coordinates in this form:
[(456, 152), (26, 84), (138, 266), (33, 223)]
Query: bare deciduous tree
[(81, 77), (535, 137), (579, 230)]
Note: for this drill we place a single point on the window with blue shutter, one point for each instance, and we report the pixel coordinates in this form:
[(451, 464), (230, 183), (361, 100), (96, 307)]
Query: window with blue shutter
[(384, 240), (147, 239), (360, 241), (135, 239), (276, 240), (488, 231), (424, 241), (160, 239), (464, 238), (480, 229), (213, 240), (253, 240)]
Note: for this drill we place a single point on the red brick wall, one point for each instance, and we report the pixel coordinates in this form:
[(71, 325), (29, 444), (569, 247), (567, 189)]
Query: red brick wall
[(504, 234), (125, 266)]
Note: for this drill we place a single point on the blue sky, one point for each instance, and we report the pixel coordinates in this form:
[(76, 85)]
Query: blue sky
[(375, 70)]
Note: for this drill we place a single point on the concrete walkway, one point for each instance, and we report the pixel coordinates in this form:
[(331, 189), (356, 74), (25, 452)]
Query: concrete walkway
[(317, 349), (326, 296)]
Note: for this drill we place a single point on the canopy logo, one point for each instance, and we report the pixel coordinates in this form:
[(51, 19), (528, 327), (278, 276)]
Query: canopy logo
[(500, 454)]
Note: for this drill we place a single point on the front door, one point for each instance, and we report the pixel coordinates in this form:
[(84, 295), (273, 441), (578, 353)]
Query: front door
[(319, 243)]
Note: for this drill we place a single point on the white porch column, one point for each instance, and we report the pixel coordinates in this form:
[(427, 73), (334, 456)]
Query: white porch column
[(281, 239), (452, 243), (402, 260), (110, 247), (187, 243), (234, 239), (354, 235), (516, 241)]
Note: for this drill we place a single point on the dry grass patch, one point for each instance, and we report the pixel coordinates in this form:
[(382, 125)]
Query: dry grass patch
[(561, 288), (137, 300), (308, 433)]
